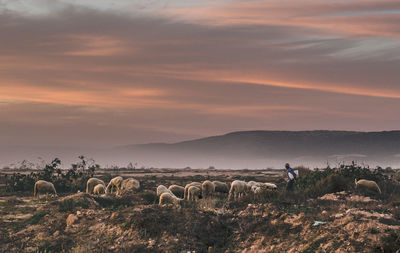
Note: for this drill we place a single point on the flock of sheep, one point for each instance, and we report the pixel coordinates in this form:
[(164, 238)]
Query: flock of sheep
[(93, 185), (175, 194)]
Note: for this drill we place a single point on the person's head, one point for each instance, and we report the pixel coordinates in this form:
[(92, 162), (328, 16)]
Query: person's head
[(287, 166)]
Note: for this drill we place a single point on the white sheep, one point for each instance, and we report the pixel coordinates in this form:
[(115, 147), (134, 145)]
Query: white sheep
[(271, 186), (263, 189), (115, 182), (253, 183), (162, 189), (256, 189), (42, 186), (221, 187), (129, 185), (99, 189), (368, 184), (198, 184), (207, 188), (91, 183), (169, 198), (194, 193), (177, 190), (238, 189)]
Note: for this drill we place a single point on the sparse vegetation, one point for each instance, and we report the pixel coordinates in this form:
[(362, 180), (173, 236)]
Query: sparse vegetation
[(320, 182), (69, 205), (275, 221), (36, 217), (70, 180)]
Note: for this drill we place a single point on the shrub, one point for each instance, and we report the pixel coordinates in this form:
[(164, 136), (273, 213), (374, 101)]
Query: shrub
[(303, 171), (390, 243), (320, 182), (68, 205), (114, 203), (149, 197), (71, 180), (331, 183)]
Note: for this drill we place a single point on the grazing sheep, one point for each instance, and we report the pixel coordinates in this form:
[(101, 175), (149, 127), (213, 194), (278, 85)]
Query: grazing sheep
[(271, 185), (238, 189), (221, 187), (169, 198), (263, 190), (253, 183), (259, 191), (207, 188), (177, 190), (99, 189), (42, 186), (115, 182), (161, 189), (194, 193), (91, 183), (129, 185), (256, 189), (187, 188), (368, 184)]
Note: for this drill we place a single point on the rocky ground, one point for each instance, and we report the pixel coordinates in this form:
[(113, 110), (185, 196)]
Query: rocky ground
[(336, 222)]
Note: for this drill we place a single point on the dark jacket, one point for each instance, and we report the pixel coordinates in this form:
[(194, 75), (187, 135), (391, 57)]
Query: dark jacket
[(291, 171)]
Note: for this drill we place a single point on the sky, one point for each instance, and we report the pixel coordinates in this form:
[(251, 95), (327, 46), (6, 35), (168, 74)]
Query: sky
[(102, 73)]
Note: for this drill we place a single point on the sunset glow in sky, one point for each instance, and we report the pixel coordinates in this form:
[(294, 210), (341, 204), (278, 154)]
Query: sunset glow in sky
[(98, 73)]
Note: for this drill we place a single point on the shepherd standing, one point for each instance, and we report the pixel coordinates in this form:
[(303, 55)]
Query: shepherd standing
[(291, 175)]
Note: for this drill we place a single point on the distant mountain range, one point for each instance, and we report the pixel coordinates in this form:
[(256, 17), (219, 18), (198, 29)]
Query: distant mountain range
[(237, 150), (298, 146)]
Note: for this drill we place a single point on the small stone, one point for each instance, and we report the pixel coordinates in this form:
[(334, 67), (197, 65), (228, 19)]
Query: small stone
[(72, 219), (114, 216), (40, 236)]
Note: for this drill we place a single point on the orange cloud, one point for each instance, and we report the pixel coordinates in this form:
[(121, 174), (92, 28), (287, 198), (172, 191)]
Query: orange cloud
[(91, 45), (346, 17), (334, 88), (112, 98)]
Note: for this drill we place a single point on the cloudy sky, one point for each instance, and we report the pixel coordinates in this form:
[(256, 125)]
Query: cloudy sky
[(99, 73)]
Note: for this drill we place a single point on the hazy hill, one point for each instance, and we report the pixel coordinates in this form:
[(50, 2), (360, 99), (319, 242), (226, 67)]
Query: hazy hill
[(306, 146), (248, 149)]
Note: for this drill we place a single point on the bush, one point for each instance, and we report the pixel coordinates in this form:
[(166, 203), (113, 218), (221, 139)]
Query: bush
[(320, 182), (149, 197), (115, 203), (69, 205), (303, 171), (71, 180), (390, 243), (329, 184)]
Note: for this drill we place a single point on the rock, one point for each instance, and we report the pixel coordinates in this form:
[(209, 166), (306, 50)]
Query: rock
[(114, 216), (72, 219)]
